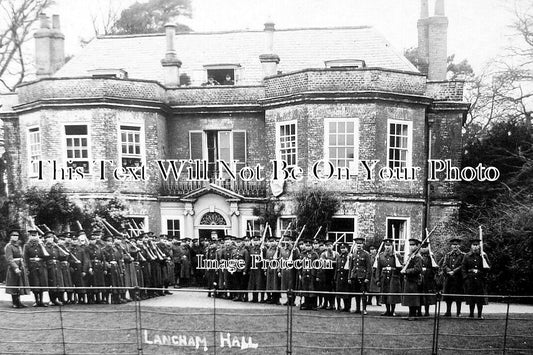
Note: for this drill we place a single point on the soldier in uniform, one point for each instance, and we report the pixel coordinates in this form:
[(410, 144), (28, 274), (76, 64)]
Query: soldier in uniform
[(186, 262), (389, 281), (114, 277), (360, 268), (91, 270), (475, 277), (238, 276), (308, 277), (429, 285), (453, 282), (272, 277), (211, 274), (65, 259), (34, 256), (176, 254), (55, 276), (373, 287), (326, 281), (341, 277), (412, 279), (16, 270), (256, 280), (288, 275), (167, 265)]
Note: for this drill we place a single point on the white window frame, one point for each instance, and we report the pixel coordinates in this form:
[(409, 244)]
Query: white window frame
[(278, 224), (232, 153), (32, 166), (141, 142), (336, 234), (409, 156), (352, 166), (165, 225), (236, 71), (251, 220), (407, 232), (278, 140), (89, 141)]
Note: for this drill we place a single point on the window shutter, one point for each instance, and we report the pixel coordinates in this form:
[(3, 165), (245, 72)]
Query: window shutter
[(195, 140), (239, 146)]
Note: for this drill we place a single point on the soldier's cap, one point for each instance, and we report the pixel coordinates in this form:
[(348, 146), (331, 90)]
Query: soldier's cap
[(246, 238), (425, 244), (328, 242), (67, 234), (48, 234), (163, 236), (62, 236), (256, 238), (80, 232), (415, 241), (96, 230), (186, 239), (13, 232), (286, 238), (359, 240), (33, 231), (388, 241), (455, 241), (344, 245), (107, 238), (151, 233), (475, 241), (75, 237)]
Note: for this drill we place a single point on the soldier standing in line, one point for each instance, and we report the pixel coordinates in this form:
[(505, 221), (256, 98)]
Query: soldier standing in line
[(113, 276), (92, 268), (412, 274), (146, 265), (308, 277), (55, 276), (195, 250), (186, 264), (272, 277), (453, 282), (389, 281), (257, 278), (16, 270), (360, 268), (288, 275), (373, 287), (35, 256), (211, 274), (221, 255), (326, 276), (474, 270), (240, 253), (176, 257), (65, 261), (247, 245), (341, 277), (429, 272)]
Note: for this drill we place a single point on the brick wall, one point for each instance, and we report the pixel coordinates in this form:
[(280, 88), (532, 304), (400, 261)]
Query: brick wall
[(445, 90)]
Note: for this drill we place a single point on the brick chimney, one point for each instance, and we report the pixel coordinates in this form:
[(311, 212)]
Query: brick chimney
[(433, 40), (269, 60), (171, 64), (49, 47)]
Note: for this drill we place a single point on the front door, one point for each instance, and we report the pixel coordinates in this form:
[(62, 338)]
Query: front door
[(208, 233)]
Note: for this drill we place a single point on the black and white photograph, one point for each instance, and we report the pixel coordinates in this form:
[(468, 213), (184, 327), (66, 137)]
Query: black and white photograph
[(266, 177)]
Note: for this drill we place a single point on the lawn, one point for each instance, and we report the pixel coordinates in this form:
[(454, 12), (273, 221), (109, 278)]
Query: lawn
[(100, 329)]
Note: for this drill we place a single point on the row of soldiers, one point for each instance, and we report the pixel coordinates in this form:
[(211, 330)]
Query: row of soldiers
[(354, 270), (87, 267)]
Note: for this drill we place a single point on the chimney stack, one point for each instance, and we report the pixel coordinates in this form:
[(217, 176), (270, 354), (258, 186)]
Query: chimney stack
[(438, 43), (49, 47), (269, 60), (171, 64)]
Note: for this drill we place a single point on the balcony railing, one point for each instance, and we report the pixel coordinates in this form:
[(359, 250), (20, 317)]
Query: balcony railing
[(244, 188)]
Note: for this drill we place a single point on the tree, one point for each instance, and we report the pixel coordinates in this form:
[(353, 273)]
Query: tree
[(462, 70), (152, 16), (314, 208), (16, 21)]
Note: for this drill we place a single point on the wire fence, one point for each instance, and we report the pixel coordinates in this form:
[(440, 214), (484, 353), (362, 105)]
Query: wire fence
[(220, 328)]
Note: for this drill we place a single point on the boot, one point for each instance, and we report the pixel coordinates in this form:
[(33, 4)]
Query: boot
[(20, 304), (14, 301)]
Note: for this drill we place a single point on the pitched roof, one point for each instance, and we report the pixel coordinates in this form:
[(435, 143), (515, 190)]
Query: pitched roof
[(298, 49)]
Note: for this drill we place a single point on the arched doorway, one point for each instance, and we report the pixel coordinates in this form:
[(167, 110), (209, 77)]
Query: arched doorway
[(211, 223)]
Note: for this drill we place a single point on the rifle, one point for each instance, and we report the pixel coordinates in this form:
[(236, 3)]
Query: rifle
[(431, 256), (417, 250), (339, 238), (318, 231), (250, 230), (32, 225), (375, 265), (279, 241), (485, 263), (79, 225), (347, 264), (296, 242), (263, 237)]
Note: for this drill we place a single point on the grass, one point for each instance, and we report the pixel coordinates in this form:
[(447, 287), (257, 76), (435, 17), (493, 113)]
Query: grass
[(101, 329)]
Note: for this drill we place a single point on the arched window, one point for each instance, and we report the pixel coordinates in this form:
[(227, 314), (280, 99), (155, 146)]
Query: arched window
[(213, 219)]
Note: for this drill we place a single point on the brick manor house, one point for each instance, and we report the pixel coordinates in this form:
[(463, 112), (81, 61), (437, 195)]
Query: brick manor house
[(300, 95)]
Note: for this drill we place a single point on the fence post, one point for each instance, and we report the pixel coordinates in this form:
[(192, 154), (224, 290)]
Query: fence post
[(436, 321), (506, 324), (363, 299), (214, 324), (62, 329), (290, 299), (138, 323)]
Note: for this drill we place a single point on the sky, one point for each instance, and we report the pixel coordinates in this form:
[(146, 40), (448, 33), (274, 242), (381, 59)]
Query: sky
[(478, 29)]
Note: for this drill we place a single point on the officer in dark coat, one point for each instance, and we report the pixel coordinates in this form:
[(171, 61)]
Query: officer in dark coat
[(308, 277), (412, 279), (65, 260), (257, 277), (429, 272), (55, 275), (360, 267), (341, 277), (16, 271), (453, 282), (389, 281), (35, 257), (211, 274), (373, 286), (326, 276), (288, 275), (91, 268), (475, 268), (272, 277)]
